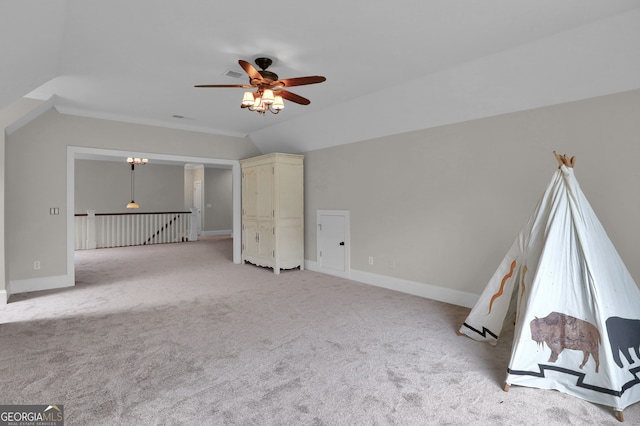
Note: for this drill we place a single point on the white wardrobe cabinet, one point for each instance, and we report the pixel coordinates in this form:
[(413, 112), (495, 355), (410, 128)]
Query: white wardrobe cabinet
[(273, 211)]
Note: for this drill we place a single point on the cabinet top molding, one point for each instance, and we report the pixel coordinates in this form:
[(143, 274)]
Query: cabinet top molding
[(275, 156)]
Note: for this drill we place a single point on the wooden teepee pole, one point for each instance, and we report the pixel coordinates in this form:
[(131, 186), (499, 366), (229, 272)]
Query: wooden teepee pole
[(564, 160)]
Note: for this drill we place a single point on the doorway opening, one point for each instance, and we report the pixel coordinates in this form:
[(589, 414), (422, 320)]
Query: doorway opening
[(74, 153)]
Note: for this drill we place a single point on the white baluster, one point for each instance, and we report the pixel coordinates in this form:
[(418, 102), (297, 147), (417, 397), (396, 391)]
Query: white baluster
[(91, 230)]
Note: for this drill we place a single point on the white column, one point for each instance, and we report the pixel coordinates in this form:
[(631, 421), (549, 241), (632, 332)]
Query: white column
[(194, 224), (91, 230)]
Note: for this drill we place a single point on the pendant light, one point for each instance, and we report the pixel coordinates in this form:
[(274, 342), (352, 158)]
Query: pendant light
[(140, 162)]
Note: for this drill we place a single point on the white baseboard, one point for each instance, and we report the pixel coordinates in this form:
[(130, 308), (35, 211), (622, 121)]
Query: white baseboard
[(3, 297), (214, 233), (37, 284), (441, 294), (313, 266)]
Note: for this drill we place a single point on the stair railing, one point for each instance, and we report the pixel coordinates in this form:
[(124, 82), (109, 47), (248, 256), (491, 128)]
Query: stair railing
[(103, 230)]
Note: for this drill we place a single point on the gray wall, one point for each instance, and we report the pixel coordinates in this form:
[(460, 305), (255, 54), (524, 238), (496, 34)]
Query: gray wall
[(31, 233), (9, 116), (105, 186), (446, 203)]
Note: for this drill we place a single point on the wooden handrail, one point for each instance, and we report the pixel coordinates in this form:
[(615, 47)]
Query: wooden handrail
[(132, 213)]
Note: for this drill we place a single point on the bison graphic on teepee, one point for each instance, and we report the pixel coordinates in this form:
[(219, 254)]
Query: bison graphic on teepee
[(575, 306)]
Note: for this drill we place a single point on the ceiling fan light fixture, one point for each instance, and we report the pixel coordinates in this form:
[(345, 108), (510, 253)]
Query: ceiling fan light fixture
[(263, 101), (247, 99), (278, 103), (267, 96), (260, 106)]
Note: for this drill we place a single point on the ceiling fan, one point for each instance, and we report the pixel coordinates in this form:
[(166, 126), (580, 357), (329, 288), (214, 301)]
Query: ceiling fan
[(270, 90)]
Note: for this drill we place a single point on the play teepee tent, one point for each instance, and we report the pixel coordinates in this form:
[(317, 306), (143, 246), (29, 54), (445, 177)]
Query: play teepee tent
[(576, 307)]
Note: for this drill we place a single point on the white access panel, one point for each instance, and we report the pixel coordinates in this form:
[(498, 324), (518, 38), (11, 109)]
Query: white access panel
[(333, 243)]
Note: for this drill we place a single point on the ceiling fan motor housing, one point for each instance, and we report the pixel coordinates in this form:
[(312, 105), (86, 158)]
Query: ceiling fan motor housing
[(265, 63)]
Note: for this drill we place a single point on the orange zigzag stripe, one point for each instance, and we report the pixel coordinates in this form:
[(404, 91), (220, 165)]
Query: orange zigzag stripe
[(504, 280)]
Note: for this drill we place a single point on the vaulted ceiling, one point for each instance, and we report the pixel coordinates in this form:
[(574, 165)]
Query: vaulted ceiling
[(391, 66)]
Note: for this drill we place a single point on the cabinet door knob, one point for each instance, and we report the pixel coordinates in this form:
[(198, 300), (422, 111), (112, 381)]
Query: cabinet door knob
[(341, 243)]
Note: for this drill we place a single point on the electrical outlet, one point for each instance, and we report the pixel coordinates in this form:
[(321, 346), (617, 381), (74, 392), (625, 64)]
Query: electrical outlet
[(36, 264), (370, 260)]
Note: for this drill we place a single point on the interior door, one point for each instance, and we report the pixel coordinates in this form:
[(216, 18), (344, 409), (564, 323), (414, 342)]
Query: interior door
[(264, 200), (333, 242), (250, 238), (266, 248), (250, 192)]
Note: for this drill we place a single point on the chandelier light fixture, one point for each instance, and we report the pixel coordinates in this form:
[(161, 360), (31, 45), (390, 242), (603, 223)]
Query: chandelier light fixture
[(263, 100), (135, 161)]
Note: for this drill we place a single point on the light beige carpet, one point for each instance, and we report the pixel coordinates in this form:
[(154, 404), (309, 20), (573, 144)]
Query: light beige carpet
[(178, 334)]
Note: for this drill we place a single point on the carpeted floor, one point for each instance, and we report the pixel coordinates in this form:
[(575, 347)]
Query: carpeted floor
[(178, 334)]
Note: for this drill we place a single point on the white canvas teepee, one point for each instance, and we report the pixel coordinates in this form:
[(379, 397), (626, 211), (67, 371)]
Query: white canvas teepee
[(576, 307)]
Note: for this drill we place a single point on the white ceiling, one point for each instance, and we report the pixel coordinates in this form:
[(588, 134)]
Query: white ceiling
[(391, 66)]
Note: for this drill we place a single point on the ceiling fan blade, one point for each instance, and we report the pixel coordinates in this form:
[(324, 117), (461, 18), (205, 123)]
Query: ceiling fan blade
[(293, 97), (249, 69), (245, 86), (301, 81)]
